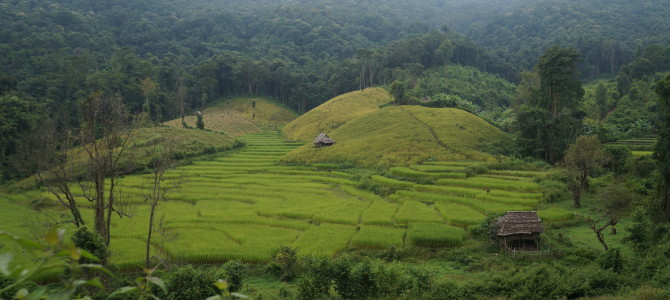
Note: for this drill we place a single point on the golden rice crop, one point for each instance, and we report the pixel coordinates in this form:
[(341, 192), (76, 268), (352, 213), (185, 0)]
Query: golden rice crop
[(335, 113), (404, 136)]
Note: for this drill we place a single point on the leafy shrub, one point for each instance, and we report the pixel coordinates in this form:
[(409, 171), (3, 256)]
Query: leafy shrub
[(354, 280), (611, 260), (619, 157), (189, 283), (284, 264), (315, 280), (554, 191), (233, 272), (9, 294), (91, 242)]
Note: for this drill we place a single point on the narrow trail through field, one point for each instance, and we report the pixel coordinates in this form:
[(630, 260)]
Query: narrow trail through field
[(432, 132)]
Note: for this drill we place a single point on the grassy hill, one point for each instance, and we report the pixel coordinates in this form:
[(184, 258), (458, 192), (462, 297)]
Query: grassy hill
[(240, 116), (191, 143), (335, 113), (405, 135)]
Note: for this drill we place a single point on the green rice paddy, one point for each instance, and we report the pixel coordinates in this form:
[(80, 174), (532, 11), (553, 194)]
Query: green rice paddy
[(243, 205)]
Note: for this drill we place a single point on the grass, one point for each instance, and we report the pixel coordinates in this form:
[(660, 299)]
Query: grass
[(404, 136), (555, 214), (378, 237), (335, 113), (391, 182), (242, 205), (638, 154), (324, 240), (458, 214), (505, 198), (491, 183), (238, 117), (414, 211), (434, 235), (381, 212), (190, 143), (485, 207), (411, 173)]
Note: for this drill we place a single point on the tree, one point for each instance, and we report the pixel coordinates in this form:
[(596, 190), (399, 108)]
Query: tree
[(398, 91), (601, 99), (199, 123), (149, 89), (559, 94), (48, 153), (582, 159), (662, 151), (613, 201), (105, 134), (18, 117), (162, 159)]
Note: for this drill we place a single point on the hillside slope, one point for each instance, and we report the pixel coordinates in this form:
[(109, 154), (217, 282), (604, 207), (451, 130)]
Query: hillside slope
[(335, 113), (404, 135), (241, 116)]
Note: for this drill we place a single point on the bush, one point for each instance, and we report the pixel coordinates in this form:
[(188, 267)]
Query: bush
[(233, 272), (316, 277), (189, 283), (91, 242), (611, 260), (354, 280), (554, 191), (619, 157), (284, 264)]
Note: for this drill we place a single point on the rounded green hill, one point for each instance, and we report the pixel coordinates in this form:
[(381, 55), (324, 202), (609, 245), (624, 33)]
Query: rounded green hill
[(335, 113), (241, 116), (405, 135)]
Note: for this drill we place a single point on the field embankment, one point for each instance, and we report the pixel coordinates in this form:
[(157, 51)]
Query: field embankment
[(405, 135)]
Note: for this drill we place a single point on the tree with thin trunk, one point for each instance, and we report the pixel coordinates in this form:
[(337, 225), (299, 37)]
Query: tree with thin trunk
[(149, 89), (612, 202), (48, 153), (105, 133), (162, 159), (583, 159)]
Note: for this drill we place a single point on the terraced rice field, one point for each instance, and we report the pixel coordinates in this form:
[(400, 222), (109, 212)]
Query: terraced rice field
[(243, 205)]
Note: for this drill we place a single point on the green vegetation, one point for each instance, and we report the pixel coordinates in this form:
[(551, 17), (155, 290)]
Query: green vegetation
[(336, 112), (435, 235), (404, 136), (436, 136), (239, 116)]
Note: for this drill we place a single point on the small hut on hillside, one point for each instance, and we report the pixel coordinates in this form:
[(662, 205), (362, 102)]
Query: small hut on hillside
[(323, 140), (519, 230)]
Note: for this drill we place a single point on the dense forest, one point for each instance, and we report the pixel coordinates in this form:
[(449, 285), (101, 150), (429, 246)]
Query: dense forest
[(571, 99)]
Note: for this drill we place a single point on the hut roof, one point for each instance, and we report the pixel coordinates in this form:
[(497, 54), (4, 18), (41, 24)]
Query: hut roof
[(519, 222), (323, 138)]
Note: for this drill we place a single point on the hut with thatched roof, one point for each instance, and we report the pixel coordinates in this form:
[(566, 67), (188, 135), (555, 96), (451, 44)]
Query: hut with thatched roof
[(323, 140), (519, 230)]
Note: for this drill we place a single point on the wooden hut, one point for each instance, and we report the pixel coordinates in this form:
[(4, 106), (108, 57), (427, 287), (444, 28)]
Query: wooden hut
[(519, 230), (323, 140)]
